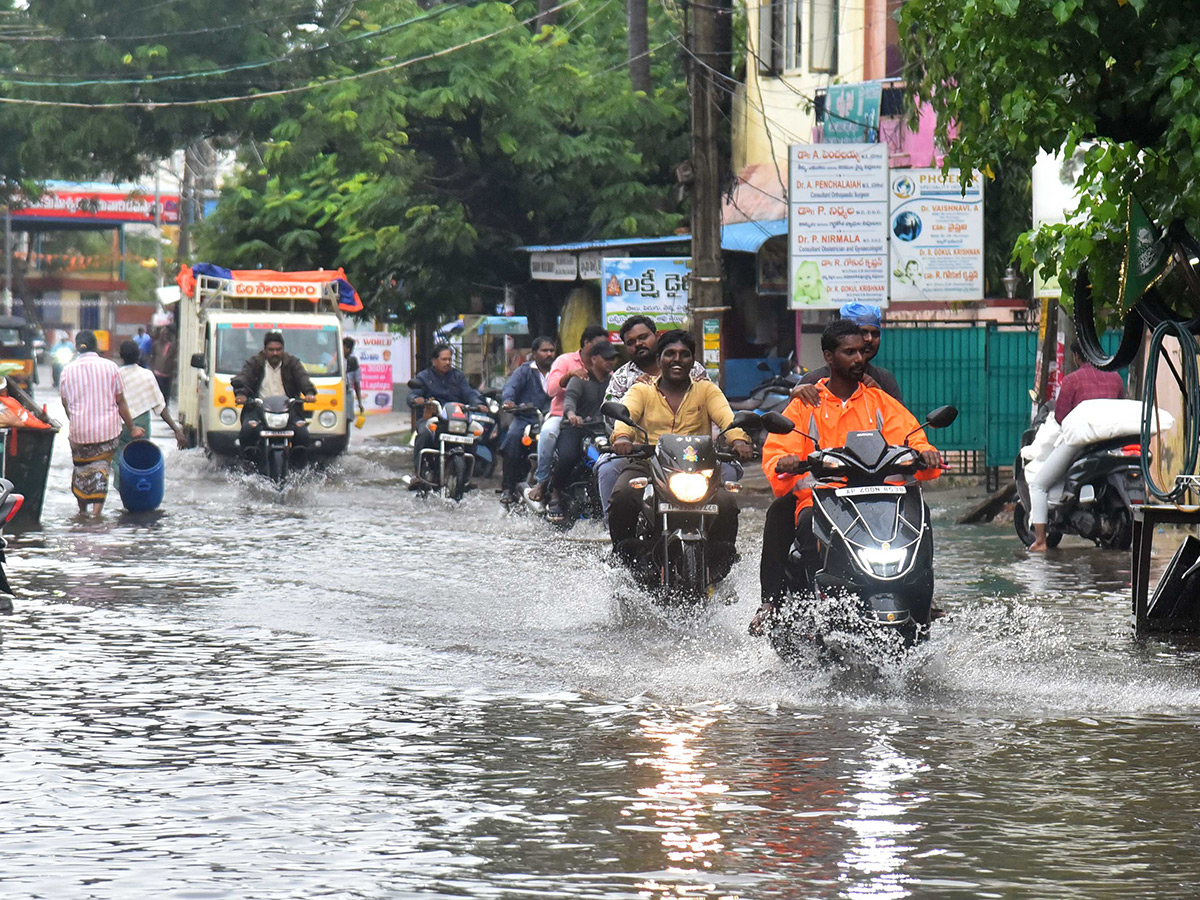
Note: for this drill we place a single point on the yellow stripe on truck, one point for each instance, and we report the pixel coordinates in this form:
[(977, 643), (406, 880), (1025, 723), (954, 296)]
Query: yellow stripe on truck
[(329, 396)]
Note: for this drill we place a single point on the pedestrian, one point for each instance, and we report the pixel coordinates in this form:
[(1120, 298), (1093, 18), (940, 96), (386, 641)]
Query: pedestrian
[(164, 357), (145, 345), (142, 396), (93, 398), (353, 372)]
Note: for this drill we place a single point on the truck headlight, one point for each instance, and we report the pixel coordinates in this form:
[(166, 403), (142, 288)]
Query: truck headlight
[(228, 417), (689, 487), (328, 418)]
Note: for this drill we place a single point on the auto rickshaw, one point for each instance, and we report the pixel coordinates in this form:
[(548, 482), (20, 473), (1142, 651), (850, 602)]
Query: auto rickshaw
[(16, 349)]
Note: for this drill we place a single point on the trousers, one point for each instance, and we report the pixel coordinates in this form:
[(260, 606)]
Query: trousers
[(546, 441)]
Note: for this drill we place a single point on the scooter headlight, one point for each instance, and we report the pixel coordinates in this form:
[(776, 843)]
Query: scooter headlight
[(228, 417), (689, 487), (884, 563), (276, 421)]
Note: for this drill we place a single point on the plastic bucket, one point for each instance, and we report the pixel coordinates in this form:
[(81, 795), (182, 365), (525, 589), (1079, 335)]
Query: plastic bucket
[(141, 468)]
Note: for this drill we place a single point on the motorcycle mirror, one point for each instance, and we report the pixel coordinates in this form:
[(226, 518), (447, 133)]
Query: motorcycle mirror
[(415, 384), (942, 417), (776, 423), (746, 419), (763, 367), (615, 410), (197, 360)]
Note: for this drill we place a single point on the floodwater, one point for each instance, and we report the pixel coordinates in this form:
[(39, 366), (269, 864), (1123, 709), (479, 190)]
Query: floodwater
[(344, 691)]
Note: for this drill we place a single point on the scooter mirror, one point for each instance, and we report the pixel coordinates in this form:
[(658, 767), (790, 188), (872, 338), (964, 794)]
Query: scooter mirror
[(942, 417), (763, 367), (614, 410), (777, 423), (746, 419)]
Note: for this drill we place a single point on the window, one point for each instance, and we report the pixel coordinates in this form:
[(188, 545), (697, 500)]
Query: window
[(822, 51), (779, 35), (794, 16)]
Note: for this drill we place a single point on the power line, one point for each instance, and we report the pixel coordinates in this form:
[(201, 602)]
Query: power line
[(281, 92), (112, 38)]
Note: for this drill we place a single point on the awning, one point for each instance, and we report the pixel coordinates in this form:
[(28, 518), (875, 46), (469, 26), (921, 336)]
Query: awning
[(743, 237)]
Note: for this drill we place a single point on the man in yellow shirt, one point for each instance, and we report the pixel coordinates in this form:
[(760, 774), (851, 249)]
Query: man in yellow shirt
[(672, 404)]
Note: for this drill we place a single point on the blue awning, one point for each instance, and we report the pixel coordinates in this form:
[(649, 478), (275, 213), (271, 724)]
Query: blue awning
[(744, 237)]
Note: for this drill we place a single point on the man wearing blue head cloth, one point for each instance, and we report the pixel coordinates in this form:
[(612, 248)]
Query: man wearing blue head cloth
[(869, 319)]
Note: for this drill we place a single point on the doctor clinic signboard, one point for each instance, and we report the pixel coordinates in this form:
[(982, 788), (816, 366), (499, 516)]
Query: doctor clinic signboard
[(937, 236), (838, 225)]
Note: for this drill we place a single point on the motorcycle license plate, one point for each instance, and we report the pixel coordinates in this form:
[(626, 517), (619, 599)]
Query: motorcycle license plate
[(277, 433), (709, 509), (458, 438), (881, 489)]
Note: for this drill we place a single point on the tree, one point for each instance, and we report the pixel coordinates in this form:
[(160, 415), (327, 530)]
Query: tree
[(1117, 78), (422, 180)]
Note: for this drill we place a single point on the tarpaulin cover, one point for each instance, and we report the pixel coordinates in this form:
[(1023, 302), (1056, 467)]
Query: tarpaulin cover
[(348, 299)]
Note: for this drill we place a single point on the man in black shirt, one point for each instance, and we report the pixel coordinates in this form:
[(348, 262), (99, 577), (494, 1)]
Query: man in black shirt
[(869, 319)]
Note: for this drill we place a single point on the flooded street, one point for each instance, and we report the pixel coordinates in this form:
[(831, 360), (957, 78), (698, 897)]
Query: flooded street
[(345, 691)]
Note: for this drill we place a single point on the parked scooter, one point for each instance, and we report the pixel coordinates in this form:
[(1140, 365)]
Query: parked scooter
[(676, 558), (772, 394), (1097, 496), (875, 542), (449, 467), (274, 456), (10, 504)]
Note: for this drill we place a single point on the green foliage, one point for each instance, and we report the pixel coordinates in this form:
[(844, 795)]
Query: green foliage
[(1114, 77), (422, 181)]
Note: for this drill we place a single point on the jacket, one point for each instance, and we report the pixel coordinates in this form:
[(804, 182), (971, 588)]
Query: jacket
[(453, 388), (296, 382), (524, 388), (834, 420)]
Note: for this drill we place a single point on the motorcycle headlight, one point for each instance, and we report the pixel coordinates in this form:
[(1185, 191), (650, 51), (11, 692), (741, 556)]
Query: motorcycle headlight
[(689, 487), (63, 356), (477, 428), (228, 416), (276, 421), (493, 406), (457, 426), (884, 563), (328, 418)]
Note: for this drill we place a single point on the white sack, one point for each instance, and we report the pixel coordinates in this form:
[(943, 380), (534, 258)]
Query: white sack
[(1102, 420), (1040, 447)]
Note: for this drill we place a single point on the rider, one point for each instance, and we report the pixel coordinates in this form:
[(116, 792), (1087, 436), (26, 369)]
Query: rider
[(1086, 382), (581, 406), (640, 337), (846, 404), (525, 387), (271, 373), (568, 366), (445, 384), (671, 403), (870, 321)]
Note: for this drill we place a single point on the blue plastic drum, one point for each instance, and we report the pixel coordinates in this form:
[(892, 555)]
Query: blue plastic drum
[(141, 468)]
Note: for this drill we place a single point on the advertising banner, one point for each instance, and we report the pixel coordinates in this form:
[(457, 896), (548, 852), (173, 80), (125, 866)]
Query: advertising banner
[(937, 236), (838, 225), (852, 112), (99, 203), (374, 352), (553, 267), (650, 286)]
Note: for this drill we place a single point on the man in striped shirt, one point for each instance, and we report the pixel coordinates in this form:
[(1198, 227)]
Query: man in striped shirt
[(94, 400)]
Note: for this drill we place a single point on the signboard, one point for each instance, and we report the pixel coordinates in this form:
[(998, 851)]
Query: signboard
[(591, 263), (937, 236), (553, 267), (837, 225), (712, 349), (99, 203), (852, 113), (374, 352), (298, 290), (1055, 198), (649, 286)]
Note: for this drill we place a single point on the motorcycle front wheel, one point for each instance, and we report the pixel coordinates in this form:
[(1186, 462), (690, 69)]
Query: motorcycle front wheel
[(277, 468), (687, 572), (456, 477)]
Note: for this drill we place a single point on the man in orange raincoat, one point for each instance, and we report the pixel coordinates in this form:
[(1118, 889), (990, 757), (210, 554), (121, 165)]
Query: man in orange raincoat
[(833, 407)]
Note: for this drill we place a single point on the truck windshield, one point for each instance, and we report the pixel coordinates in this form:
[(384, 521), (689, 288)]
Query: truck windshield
[(316, 346)]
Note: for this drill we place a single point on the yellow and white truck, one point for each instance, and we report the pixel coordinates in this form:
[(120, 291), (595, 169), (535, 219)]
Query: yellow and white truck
[(222, 318)]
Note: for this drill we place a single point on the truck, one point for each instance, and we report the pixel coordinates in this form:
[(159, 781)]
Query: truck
[(222, 318)]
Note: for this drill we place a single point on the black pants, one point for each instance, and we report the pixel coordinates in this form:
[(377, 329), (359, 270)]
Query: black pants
[(426, 440), (569, 450), (626, 503), (515, 454), (779, 532)]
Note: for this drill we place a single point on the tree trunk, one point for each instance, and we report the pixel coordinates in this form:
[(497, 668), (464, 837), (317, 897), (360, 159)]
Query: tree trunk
[(639, 45), (547, 14)]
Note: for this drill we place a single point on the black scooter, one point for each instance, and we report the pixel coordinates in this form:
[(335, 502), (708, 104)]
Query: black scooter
[(1099, 492), (10, 504), (674, 556), (875, 544)]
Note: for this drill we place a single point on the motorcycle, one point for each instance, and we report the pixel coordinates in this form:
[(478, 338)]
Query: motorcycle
[(875, 544), (487, 450), (1097, 496), (59, 360), (273, 457), (772, 394), (10, 504), (580, 499), (449, 467), (674, 556)]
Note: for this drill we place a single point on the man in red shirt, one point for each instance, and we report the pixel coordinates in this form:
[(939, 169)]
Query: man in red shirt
[(845, 405)]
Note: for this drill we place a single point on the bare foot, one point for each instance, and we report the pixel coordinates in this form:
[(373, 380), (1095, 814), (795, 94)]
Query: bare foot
[(1037, 547), (759, 622)]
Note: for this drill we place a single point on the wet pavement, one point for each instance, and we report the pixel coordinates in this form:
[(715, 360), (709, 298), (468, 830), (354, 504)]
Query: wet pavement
[(342, 690)]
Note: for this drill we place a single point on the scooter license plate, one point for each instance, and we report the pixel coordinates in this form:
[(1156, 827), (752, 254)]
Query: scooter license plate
[(277, 433), (458, 438), (882, 490), (709, 509)]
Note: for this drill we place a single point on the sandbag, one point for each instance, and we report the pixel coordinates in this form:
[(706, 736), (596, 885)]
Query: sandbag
[(1102, 420), (1042, 445)]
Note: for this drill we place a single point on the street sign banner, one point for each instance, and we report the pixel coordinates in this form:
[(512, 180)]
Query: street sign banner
[(651, 286)]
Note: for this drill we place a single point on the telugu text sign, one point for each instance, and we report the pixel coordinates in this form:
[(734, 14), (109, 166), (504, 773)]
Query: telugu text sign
[(649, 286), (937, 236)]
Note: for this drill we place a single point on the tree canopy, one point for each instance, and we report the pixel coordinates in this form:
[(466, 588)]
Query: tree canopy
[(1112, 80)]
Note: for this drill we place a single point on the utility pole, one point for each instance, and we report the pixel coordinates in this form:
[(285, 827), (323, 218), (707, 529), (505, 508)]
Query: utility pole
[(8, 262), (706, 62)]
